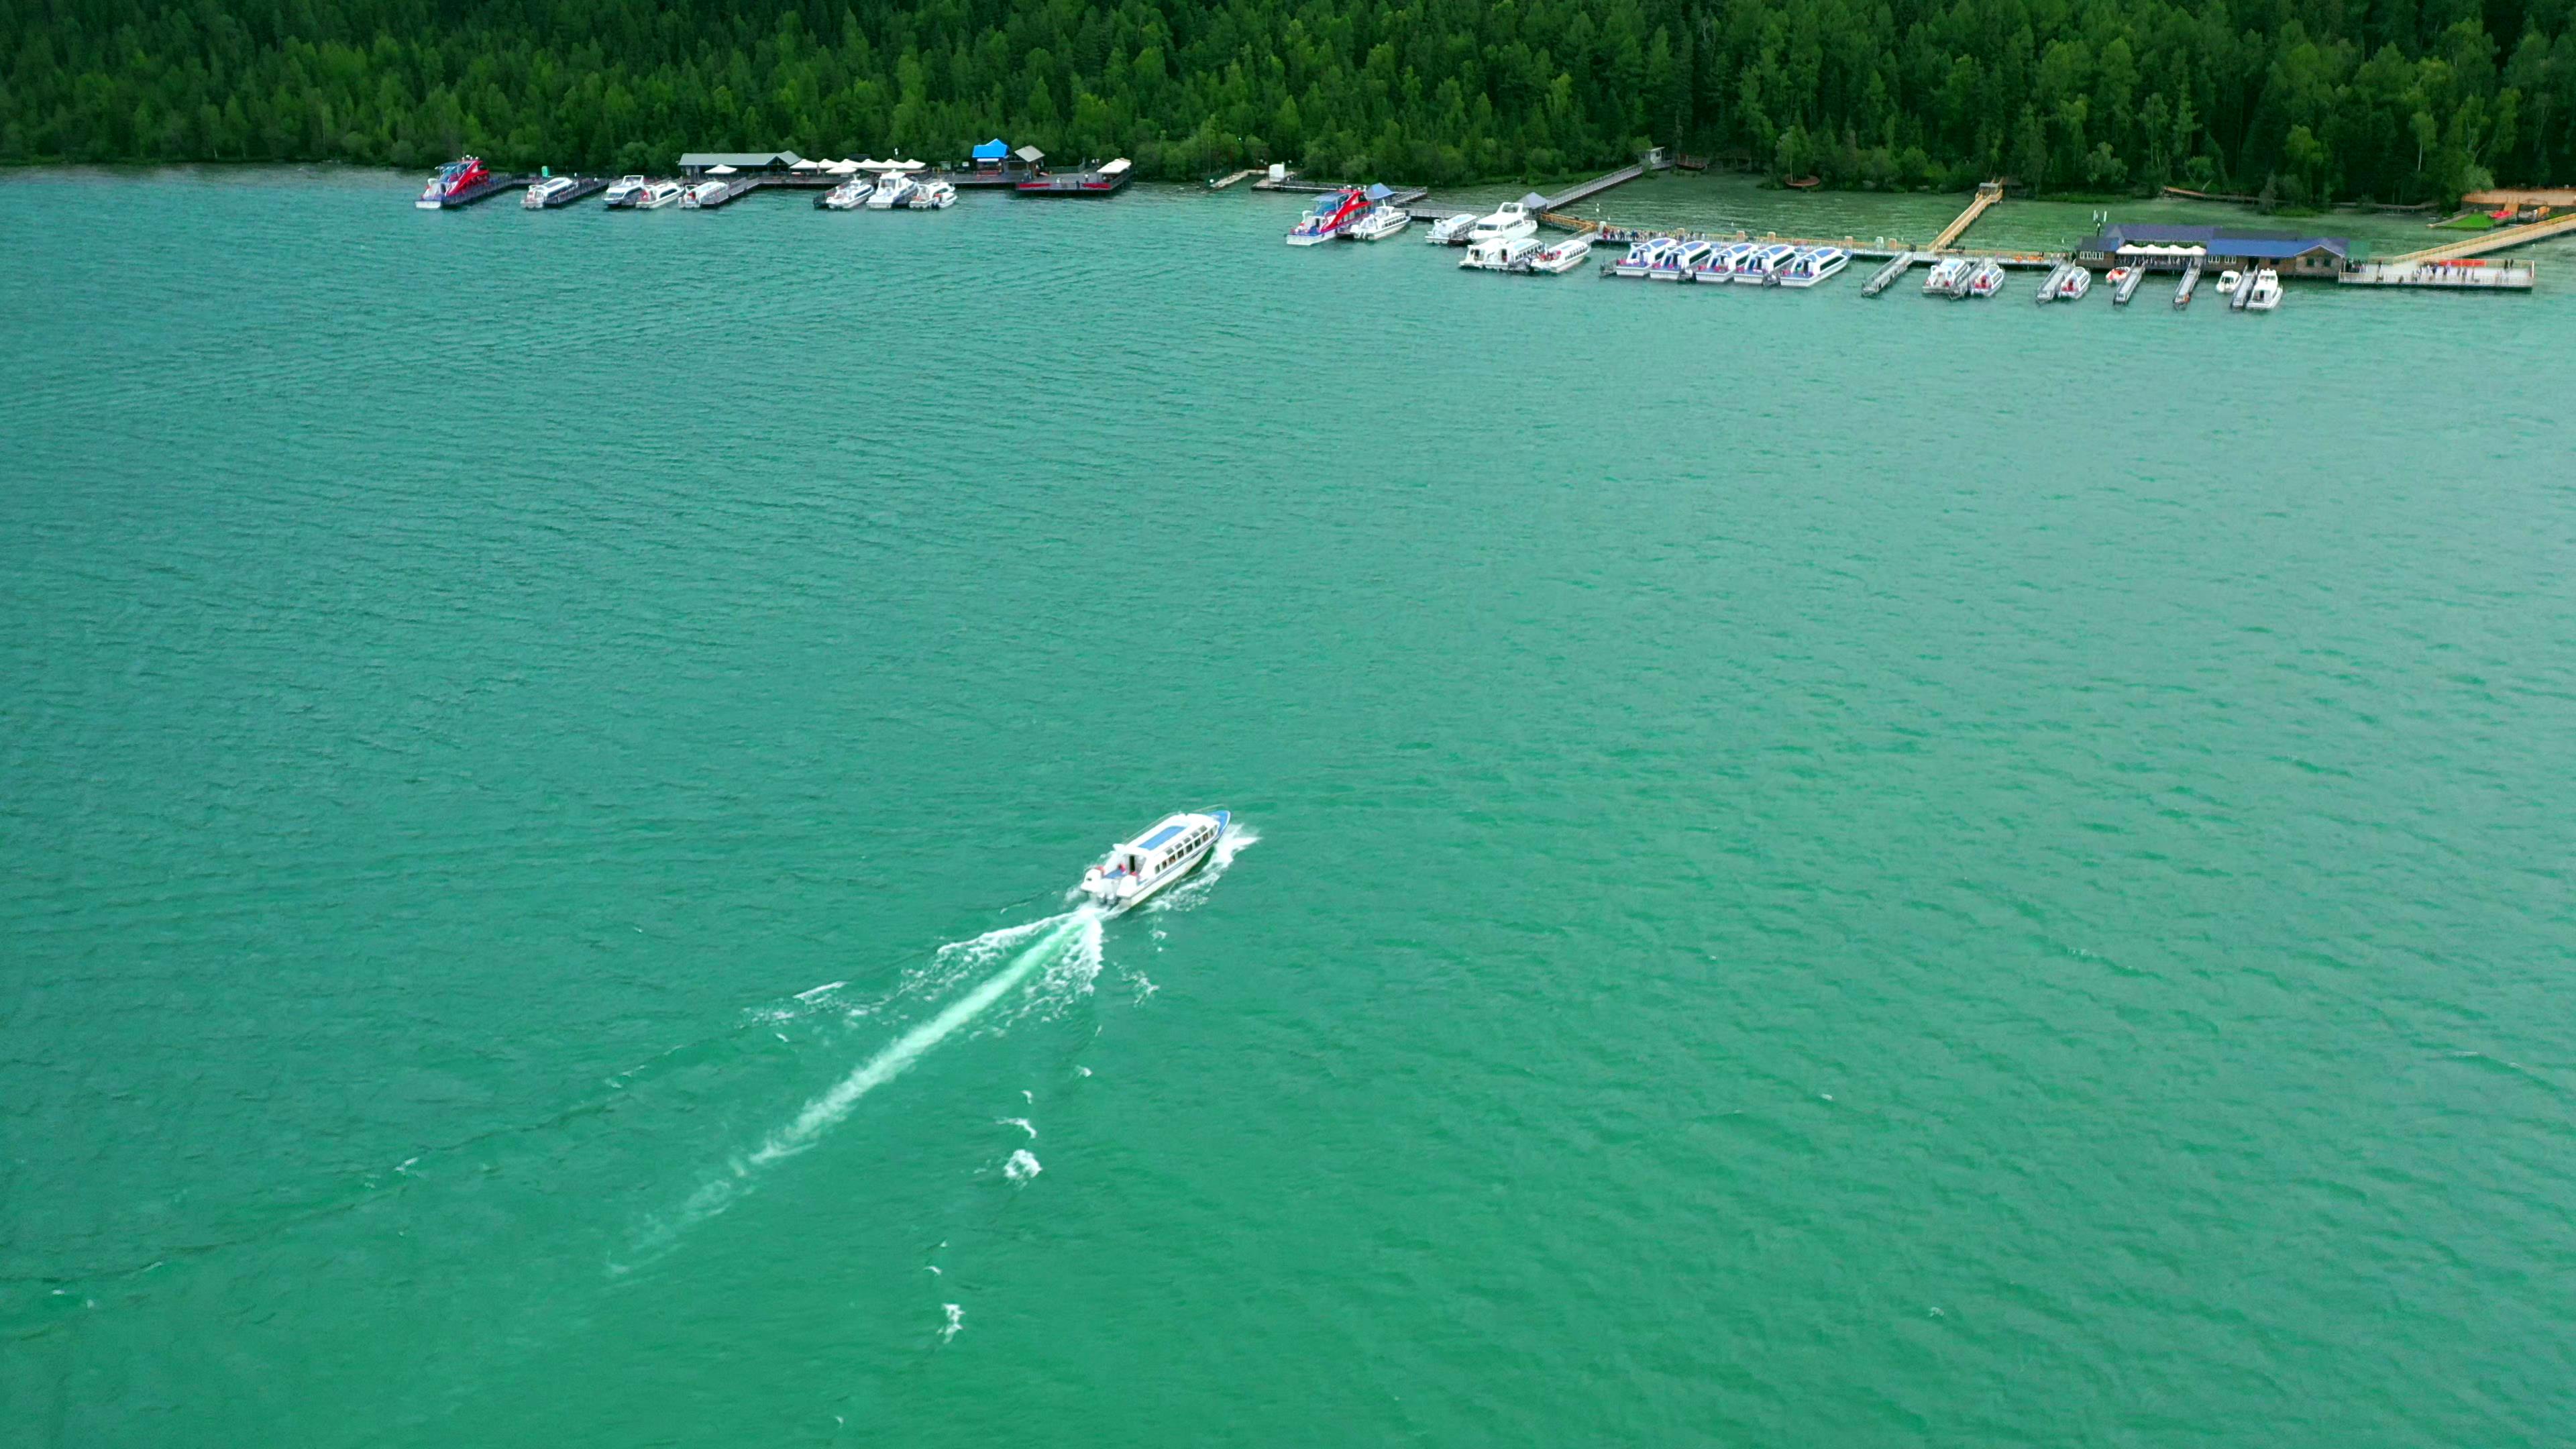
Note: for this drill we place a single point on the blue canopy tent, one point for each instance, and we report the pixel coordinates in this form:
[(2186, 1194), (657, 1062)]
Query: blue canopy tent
[(992, 153), (1378, 192)]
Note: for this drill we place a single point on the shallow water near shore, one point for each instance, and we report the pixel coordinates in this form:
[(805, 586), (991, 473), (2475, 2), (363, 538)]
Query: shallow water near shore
[(1829, 870)]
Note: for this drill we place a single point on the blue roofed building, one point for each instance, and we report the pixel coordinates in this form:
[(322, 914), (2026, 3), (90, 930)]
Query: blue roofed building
[(2170, 248)]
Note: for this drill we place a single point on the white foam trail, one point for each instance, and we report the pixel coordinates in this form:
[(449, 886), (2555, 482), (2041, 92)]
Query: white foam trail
[(1073, 937), (956, 1321), (1020, 1122), (826, 1111), (1022, 1166)]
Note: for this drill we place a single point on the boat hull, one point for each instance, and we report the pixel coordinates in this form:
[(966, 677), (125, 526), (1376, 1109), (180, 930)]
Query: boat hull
[(1182, 870)]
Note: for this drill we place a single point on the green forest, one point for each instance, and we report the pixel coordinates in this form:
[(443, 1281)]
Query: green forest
[(2308, 101)]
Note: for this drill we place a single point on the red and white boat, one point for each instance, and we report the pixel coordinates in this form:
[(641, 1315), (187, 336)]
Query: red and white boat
[(1332, 216), (456, 182)]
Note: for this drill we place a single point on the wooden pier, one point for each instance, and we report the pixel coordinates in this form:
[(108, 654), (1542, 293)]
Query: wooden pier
[(2478, 244), (1598, 184), (1988, 193), (1222, 182)]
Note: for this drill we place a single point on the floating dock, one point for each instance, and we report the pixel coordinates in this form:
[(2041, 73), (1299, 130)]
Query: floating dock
[(1888, 276), (2129, 286), (2189, 284), (2462, 273)]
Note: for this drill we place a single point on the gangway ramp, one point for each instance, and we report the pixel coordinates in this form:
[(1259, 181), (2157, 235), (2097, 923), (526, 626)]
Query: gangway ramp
[(1988, 193), (2478, 244)]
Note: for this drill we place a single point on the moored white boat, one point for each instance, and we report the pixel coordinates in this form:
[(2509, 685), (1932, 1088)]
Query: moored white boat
[(2228, 282), (659, 194), (1986, 280), (1683, 262), (1563, 257), (1757, 268), (1451, 231), (1643, 256), (1812, 265), (2263, 293), (850, 195), (1136, 870), (545, 190), (931, 196), (1499, 253), (1721, 264), (1507, 222), (1381, 222), (704, 193), (626, 190), (2076, 282), (1949, 277)]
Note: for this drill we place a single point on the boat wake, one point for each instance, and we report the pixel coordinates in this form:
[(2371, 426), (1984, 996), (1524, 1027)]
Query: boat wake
[(1009, 975), (1047, 962)]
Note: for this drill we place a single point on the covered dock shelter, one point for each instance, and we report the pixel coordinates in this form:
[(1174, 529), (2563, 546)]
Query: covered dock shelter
[(2163, 248), (700, 163)]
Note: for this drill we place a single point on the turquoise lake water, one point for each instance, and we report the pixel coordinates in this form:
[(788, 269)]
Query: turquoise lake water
[(1816, 870)]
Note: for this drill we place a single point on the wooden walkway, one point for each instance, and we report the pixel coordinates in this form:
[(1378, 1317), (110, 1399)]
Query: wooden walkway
[(1988, 193), (1594, 187), (2478, 244), (1222, 182)]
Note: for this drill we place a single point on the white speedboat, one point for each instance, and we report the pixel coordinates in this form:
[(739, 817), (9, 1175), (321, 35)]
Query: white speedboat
[(2228, 282), (850, 195), (1499, 254), (705, 193), (1136, 870), (892, 190), (1986, 280), (626, 190), (1812, 265), (2076, 282), (1563, 257), (1507, 222), (541, 193), (1643, 256), (2263, 293), (659, 194), (1756, 269), (1380, 223), (1949, 278), (1451, 231), (931, 196)]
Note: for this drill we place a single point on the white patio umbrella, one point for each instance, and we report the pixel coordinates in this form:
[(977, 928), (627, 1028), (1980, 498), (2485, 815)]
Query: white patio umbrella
[(719, 171)]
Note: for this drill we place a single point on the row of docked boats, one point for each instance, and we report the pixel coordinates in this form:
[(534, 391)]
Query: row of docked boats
[(1758, 264), (1350, 214), (1964, 277), (894, 185), (1527, 254)]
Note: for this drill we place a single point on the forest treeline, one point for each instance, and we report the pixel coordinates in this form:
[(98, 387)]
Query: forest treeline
[(2312, 100)]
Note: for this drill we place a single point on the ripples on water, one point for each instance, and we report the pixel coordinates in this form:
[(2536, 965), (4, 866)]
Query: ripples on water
[(1839, 870)]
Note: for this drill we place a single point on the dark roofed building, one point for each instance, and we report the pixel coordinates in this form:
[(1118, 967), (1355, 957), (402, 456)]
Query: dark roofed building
[(697, 163), (2169, 247)]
